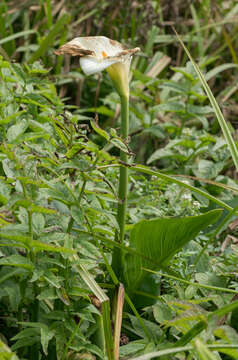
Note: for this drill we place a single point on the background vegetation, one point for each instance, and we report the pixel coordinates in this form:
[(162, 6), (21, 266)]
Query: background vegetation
[(59, 179)]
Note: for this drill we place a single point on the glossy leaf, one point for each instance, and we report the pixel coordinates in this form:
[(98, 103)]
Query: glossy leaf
[(160, 239)]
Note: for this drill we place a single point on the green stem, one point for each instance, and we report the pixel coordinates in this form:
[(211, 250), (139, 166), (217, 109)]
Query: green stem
[(34, 308), (69, 229), (70, 225), (30, 225), (71, 339), (123, 187), (123, 182)]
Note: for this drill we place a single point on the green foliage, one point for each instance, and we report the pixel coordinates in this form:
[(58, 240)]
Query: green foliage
[(222, 122), (59, 177), (5, 352), (158, 240), (38, 210)]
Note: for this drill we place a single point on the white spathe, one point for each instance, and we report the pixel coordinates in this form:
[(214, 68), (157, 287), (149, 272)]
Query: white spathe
[(98, 53), (92, 65)]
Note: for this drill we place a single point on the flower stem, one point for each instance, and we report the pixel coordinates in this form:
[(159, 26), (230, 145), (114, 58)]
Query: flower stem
[(123, 182), (123, 186)]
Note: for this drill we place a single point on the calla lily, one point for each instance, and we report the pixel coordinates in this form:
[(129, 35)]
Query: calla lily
[(98, 53)]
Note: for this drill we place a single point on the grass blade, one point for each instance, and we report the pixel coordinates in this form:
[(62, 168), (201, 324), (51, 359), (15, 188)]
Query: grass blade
[(48, 41), (17, 35), (165, 352), (223, 124), (209, 287), (160, 353), (146, 170), (198, 30), (203, 351), (169, 178)]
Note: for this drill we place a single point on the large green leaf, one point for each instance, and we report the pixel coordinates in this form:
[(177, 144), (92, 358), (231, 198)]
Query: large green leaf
[(159, 240)]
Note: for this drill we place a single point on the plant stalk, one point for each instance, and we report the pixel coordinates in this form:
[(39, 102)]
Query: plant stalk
[(123, 182), (123, 188)]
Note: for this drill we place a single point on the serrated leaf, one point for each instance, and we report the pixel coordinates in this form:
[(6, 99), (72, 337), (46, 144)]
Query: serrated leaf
[(175, 86), (46, 335), (210, 74), (37, 98), (156, 131), (77, 214), (38, 221), (131, 348), (26, 333), (171, 107), (41, 246), (14, 294), (42, 210), (61, 134), (52, 279), (18, 261), (73, 150), (119, 144), (207, 169), (152, 327), (49, 294), (102, 110), (163, 153), (16, 130), (99, 131), (183, 71), (29, 341), (11, 117), (63, 296), (14, 236), (162, 312), (199, 110)]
